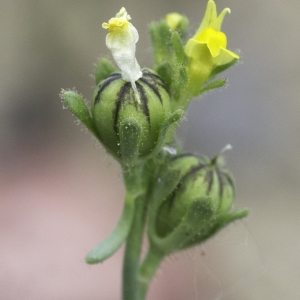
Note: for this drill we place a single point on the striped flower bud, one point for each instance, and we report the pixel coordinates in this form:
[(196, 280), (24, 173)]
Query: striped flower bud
[(192, 204), (200, 179), (115, 104)]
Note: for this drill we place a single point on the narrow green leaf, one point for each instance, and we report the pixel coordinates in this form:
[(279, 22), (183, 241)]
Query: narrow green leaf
[(222, 68), (213, 85), (115, 240), (180, 79), (178, 48), (183, 29), (165, 72), (78, 107), (160, 37)]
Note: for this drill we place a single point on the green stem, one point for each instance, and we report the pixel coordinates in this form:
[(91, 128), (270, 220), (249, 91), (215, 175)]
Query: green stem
[(133, 251), (136, 181), (148, 270)]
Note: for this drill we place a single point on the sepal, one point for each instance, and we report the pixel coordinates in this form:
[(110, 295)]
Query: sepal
[(221, 66), (178, 48), (130, 136), (78, 107), (214, 227), (213, 85)]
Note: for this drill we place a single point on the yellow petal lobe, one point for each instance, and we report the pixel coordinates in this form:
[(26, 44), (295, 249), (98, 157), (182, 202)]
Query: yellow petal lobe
[(215, 40), (115, 23)]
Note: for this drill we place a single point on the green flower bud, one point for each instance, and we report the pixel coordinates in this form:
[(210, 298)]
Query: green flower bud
[(118, 113), (195, 202), (200, 179)]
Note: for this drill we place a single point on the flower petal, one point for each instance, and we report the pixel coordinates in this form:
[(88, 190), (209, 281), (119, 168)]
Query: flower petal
[(225, 57), (121, 40), (211, 19), (196, 50), (215, 40)]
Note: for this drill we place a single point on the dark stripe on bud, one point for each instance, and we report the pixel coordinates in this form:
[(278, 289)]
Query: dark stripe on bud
[(186, 177), (121, 98), (229, 179), (144, 100), (105, 84), (155, 78), (209, 177), (221, 182), (193, 171), (153, 88)]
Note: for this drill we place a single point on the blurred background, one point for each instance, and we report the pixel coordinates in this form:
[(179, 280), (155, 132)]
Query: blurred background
[(60, 193)]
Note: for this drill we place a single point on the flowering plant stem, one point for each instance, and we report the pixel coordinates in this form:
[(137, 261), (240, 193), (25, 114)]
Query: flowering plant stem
[(136, 275), (147, 271), (134, 181), (133, 251)]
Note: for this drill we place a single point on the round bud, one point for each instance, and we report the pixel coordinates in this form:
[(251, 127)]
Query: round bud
[(202, 180), (115, 101)]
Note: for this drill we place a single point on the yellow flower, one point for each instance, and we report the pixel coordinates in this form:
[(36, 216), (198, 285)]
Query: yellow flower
[(207, 48), (121, 40), (209, 34)]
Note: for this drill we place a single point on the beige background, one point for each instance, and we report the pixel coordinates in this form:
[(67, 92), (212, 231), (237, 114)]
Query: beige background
[(60, 194)]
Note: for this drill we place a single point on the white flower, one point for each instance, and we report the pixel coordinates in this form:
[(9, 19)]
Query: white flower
[(121, 40)]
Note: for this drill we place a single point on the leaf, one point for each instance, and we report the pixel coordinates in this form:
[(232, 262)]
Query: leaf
[(78, 107), (165, 72), (213, 85), (115, 240), (178, 48), (222, 68), (160, 37)]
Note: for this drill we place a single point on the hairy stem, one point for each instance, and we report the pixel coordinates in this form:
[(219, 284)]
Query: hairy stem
[(133, 251), (148, 270), (135, 180)]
